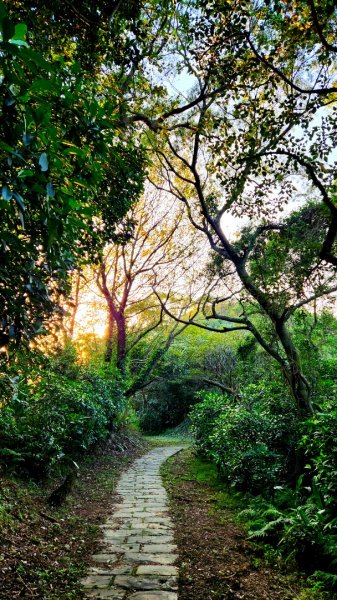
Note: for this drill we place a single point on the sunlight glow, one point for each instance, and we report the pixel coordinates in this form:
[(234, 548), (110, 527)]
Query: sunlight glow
[(91, 317), (100, 329)]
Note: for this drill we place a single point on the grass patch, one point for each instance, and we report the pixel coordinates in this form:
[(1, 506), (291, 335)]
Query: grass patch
[(176, 435), (205, 472), (162, 441)]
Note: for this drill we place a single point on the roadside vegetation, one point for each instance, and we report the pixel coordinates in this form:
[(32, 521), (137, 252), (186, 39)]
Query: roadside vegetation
[(168, 255), (217, 559)]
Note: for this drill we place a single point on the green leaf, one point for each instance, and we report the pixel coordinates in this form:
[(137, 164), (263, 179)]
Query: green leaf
[(18, 43), (25, 173), (6, 193), (75, 68), (50, 190), (75, 151), (44, 85), (28, 55), (43, 162), (19, 200), (20, 32), (6, 147)]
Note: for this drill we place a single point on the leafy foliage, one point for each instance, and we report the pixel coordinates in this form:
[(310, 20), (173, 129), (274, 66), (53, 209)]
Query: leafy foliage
[(301, 528), (59, 413), (257, 440), (65, 182), (320, 444), (248, 442), (74, 81)]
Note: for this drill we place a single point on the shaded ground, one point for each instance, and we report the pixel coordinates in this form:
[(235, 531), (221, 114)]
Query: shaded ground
[(44, 552), (217, 561)]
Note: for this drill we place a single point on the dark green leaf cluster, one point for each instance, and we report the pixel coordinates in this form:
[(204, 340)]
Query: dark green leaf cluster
[(81, 30), (249, 441), (58, 414), (67, 180), (302, 529)]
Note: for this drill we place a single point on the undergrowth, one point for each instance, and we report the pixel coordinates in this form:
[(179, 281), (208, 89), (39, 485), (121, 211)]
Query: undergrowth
[(45, 552), (225, 498)]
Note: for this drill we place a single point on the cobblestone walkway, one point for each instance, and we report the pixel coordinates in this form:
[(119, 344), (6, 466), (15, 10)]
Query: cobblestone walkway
[(137, 562)]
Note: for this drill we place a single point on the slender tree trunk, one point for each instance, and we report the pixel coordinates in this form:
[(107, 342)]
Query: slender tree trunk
[(299, 386), (121, 341), (75, 307), (109, 338), (298, 383)]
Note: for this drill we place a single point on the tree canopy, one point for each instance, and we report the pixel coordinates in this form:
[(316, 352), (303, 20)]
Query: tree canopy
[(168, 216)]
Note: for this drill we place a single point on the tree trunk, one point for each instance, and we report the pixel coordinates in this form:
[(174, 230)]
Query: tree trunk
[(109, 339), (121, 341), (75, 306), (298, 383)]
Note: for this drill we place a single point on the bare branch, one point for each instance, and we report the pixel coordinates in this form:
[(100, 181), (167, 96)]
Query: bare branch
[(191, 321), (221, 386), (289, 311), (319, 91), (319, 29), (143, 334)]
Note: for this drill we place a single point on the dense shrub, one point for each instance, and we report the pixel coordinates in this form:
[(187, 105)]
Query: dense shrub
[(205, 416), (262, 446), (250, 441), (300, 527), (57, 418), (320, 445)]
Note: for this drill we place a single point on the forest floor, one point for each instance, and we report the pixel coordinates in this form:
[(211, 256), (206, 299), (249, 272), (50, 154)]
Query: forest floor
[(44, 552), (216, 561)]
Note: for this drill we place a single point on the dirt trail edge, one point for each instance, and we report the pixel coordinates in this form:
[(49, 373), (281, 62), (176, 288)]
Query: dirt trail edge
[(137, 562)]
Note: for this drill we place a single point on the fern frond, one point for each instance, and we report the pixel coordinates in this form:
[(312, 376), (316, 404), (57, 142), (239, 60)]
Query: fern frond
[(267, 528), (272, 512)]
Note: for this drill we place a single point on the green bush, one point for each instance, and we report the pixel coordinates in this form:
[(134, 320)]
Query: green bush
[(250, 441), (204, 417), (319, 442), (300, 527), (57, 419)]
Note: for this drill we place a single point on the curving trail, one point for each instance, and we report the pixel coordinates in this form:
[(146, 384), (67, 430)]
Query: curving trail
[(137, 562)]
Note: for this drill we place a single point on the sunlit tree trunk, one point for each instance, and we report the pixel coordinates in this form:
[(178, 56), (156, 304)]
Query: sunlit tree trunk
[(109, 339), (121, 341)]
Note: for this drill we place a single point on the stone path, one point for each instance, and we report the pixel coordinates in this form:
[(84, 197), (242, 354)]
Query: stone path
[(137, 562)]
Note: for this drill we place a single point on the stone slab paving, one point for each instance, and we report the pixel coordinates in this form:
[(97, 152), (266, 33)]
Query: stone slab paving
[(138, 559)]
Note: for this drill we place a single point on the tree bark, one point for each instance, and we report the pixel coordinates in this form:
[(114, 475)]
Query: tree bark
[(292, 368), (75, 306), (121, 341), (297, 381), (109, 339), (224, 388)]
